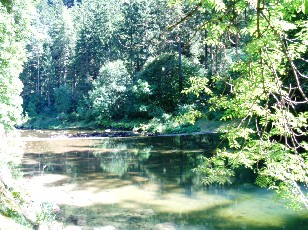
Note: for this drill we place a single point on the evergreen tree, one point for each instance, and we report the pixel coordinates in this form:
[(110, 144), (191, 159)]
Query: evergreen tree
[(96, 23), (51, 50)]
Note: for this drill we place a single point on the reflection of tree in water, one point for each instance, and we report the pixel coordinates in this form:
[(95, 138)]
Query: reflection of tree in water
[(168, 159), (174, 158), (117, 163), (121, 155)]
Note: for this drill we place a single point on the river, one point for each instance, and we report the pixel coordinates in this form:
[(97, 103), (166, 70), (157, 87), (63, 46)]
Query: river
[(145, 183)]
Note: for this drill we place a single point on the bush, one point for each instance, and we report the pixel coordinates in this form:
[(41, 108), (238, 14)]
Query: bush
[(167, 124)]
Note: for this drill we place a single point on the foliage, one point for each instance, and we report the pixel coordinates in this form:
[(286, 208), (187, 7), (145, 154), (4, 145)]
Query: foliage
[(110, 93), (122, 124), (63, 99), (69, 45), (158, 83), (266, 94), (14, 20), (187, 114), (12, 42), (166, 123), (214, 171)]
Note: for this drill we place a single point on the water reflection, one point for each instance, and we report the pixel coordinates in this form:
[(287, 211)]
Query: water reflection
[(147, 183), (120, 156)]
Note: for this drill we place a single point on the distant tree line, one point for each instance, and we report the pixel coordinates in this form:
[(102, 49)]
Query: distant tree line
[(78, 50)]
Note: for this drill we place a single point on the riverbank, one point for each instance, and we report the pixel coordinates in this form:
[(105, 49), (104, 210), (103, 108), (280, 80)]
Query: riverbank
[(125, 127)]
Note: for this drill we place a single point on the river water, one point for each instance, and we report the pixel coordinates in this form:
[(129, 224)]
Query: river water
[(145, 183)]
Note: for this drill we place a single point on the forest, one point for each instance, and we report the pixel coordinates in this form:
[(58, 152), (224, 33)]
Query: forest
[(99, 62), (158, 66)]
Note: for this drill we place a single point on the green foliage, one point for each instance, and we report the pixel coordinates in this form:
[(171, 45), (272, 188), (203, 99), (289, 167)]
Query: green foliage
[(158, 124), (68, 46), (63, 99), (167, 123), (214, 171), (14, 26), (12, 42), (198, 86), (110, 93), (7, 4), (264, 92), (158, 83), (31, 109), (187, 114), (142, 90)]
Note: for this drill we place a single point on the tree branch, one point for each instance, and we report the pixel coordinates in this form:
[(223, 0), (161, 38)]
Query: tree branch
[(190, 14)]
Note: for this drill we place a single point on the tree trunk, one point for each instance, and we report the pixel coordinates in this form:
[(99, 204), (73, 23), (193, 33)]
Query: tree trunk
[(180, 70), (216, 58), (38, 75), (212, 60), (48, 92), (205, 52)]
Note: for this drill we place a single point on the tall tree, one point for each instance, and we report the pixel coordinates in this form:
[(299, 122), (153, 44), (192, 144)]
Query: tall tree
[(50, 52), (97, 23), (142, 33), (14, 24)]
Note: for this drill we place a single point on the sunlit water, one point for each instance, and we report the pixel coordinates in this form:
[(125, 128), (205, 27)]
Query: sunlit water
[(145, 183)]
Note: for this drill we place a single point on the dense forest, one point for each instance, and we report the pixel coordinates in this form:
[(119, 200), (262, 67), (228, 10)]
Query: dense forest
[(98, 62), (159, 65)]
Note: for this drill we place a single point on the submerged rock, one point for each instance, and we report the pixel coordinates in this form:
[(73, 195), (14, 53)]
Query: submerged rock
[(147, 212), (77, 220), (82, 221)]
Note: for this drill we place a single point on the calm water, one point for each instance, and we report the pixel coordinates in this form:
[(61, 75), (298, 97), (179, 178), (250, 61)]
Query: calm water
[(145, 183)]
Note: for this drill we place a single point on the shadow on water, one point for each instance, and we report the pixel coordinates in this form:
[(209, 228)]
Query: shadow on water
[(146, 218), (148, 183)]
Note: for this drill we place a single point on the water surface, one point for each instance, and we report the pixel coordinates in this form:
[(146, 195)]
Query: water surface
[(146, 183)]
